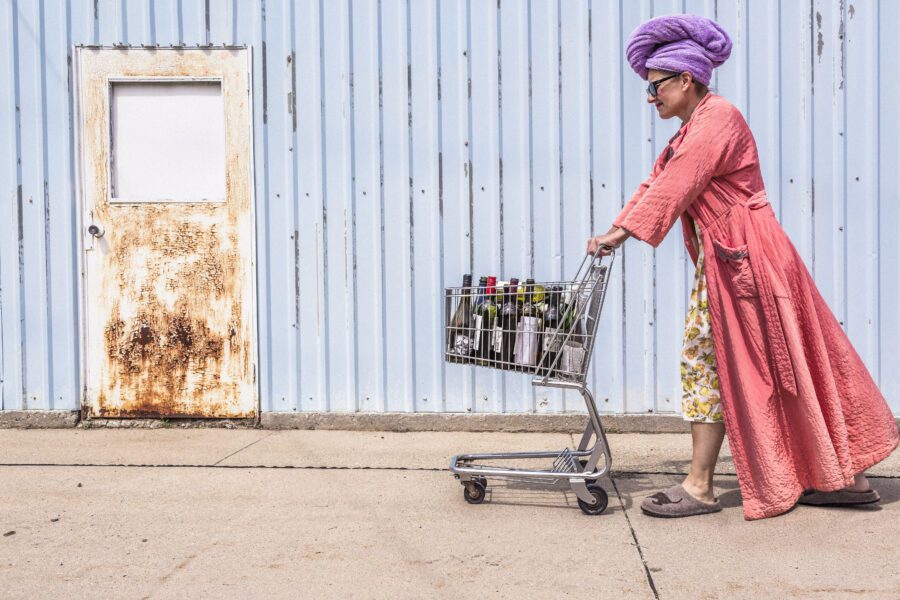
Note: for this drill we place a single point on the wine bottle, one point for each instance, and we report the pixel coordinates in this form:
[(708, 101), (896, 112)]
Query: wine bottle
[(554, 333), (497, 333), (521, 295), (518, 357), (486, 313), (572, 351), (479, 298), (572, 321), (459, 343), (528, 333), (539, 296), (533, 309), (509, 322), (476, 317)]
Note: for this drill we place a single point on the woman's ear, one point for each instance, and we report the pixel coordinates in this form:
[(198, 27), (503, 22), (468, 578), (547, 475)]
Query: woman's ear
[(687, 80)]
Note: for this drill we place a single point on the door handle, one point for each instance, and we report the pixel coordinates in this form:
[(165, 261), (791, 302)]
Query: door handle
[(95, 231)]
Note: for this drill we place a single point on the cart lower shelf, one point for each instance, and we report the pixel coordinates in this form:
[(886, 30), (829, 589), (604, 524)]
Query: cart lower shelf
[(576, 469)]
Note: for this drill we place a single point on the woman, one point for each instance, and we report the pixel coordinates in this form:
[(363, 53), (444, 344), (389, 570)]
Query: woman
[(764, 358)]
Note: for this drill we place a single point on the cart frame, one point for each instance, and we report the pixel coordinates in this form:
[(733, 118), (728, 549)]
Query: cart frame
[(577, 469)]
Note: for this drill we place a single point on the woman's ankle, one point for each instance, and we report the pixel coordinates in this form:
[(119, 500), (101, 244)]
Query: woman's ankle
[(860, 484), (699, 488)]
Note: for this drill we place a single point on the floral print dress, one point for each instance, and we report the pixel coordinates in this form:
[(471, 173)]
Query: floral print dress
[(699, 377)]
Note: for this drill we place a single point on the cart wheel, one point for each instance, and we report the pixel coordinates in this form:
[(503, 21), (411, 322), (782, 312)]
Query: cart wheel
[(475, 491), (601, 501)]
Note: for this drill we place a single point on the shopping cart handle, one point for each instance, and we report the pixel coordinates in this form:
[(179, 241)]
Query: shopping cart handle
[(599, 252)]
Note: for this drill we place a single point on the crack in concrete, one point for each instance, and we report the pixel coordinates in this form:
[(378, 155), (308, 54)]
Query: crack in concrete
[(637, 544), (265, 437)]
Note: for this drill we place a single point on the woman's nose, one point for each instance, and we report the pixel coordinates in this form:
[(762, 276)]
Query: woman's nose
[(651, 99)]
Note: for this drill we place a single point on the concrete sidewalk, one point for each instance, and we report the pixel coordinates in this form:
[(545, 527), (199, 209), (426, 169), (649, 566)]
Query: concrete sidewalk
[(309, 514)]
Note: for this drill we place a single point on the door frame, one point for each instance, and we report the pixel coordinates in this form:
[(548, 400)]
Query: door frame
[(82, 217)]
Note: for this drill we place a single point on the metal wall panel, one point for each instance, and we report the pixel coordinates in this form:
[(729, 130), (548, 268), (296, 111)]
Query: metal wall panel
[(401, 143)]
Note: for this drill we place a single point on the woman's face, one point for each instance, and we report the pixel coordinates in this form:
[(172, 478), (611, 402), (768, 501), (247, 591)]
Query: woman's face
[(673, 94)]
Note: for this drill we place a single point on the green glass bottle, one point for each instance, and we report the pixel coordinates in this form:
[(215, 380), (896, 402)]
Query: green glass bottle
[(459, 336)]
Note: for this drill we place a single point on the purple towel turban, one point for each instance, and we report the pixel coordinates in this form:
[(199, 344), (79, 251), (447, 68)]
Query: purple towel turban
[(679, 43)]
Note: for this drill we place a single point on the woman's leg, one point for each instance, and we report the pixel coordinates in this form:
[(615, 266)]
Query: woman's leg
[(701, 402), (707, 441)]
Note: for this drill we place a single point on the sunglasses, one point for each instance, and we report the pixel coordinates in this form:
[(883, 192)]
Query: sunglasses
[(653, 86)]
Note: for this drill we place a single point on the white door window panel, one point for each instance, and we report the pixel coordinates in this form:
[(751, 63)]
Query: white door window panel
[(167, 141)]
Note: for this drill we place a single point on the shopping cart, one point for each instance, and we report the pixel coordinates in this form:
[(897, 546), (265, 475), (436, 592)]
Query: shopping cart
[(546, 330)]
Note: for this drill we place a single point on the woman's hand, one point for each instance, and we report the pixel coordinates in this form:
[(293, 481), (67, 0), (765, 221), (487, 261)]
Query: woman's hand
[(611, 239)]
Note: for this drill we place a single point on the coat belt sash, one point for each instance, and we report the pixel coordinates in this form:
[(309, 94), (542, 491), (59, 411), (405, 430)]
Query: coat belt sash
[(779, 356)]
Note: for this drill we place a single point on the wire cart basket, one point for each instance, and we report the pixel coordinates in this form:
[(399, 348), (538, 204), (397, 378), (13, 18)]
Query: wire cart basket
[(547, 330)]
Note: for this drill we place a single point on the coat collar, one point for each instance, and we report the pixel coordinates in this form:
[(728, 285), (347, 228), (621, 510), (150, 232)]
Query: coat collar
[(685, 125)]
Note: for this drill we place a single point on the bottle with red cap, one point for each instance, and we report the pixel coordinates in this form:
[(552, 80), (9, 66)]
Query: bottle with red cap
[(486, 314)]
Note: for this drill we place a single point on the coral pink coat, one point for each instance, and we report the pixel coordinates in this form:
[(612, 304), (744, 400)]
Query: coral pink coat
[(800, 409)]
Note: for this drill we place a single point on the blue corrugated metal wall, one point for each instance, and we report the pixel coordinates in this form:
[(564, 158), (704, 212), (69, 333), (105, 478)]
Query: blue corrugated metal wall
[(400, 143)]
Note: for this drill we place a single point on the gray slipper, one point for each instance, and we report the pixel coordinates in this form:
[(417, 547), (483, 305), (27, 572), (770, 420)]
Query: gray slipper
[(838, 498), (677, 502)]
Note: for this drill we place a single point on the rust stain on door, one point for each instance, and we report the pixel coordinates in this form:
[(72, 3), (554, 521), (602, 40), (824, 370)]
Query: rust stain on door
[(170, 315), (171, 339)]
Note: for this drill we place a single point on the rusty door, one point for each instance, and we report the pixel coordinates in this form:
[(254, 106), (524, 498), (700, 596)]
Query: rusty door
[(166, 183)]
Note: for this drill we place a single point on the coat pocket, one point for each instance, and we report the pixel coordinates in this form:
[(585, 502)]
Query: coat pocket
[(737, 270)]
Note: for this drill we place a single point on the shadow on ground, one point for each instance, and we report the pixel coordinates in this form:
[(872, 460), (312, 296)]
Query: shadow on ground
[(513, 493)]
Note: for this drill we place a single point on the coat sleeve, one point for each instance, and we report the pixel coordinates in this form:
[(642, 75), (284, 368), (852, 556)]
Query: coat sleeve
[(640, 191), (638, 194), (705, 151)]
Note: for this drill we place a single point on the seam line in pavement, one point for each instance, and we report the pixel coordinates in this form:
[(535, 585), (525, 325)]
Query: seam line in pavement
[(327, 468), (218, 466), (637, 544), (244, 448)]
